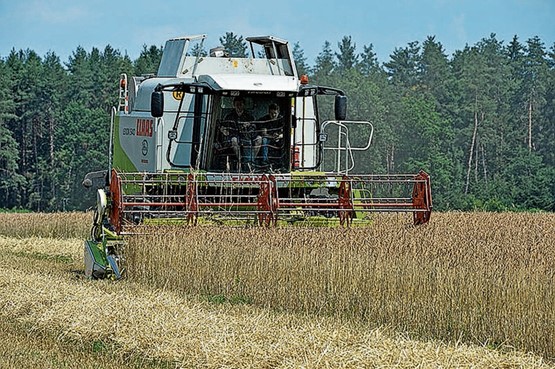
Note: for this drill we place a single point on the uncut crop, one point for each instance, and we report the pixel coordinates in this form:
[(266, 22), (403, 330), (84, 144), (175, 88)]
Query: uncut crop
[(54, 225), (476, 277)]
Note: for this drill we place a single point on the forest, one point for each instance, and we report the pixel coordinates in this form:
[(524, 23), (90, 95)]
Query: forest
[(481, 121)]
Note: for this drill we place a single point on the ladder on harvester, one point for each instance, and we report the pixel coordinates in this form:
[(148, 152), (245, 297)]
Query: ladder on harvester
[(123, 100)]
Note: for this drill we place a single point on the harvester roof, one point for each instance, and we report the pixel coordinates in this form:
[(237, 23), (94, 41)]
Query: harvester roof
[(250, 82), (180, 59)]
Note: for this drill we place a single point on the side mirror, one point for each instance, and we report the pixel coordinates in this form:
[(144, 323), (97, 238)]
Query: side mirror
[(340, 107), (157, 104)]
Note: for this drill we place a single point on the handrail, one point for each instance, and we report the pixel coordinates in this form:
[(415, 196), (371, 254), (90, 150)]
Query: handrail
[(344, 143)]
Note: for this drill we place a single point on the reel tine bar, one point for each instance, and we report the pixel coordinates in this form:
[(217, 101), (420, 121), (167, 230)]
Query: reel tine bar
[(263, 198)]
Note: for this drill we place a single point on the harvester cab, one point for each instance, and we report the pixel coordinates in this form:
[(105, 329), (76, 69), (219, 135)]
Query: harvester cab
[(216, 138)]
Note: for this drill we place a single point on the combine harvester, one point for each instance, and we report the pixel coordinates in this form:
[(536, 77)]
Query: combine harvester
[(181, 153)]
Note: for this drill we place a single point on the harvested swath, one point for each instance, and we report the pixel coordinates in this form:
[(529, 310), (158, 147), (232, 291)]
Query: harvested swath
[(55, 225), (22, 349), (477, 277), (160, 324)]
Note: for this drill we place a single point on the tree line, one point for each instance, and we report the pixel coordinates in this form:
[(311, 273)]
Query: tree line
[(481, 122)]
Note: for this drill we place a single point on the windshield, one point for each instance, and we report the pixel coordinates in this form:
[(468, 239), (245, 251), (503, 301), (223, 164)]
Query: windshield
[(250, 134)]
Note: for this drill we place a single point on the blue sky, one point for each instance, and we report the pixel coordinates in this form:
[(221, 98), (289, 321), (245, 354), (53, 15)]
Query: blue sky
[(62, 25)]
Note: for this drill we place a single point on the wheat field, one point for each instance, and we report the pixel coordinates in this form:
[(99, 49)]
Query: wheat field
[(468, 290), (478, 277), (49, 225)]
